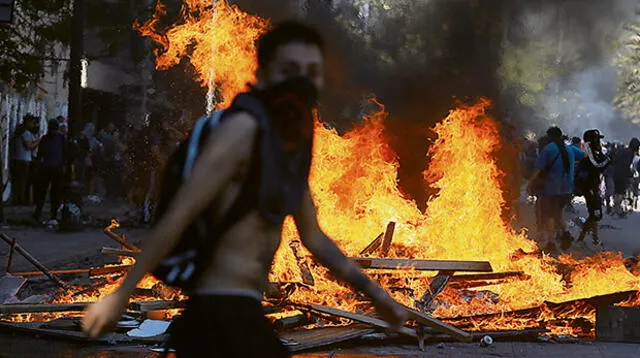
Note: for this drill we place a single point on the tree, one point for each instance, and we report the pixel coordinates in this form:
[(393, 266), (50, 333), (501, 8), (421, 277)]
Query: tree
[(27, 43), (628, 98)]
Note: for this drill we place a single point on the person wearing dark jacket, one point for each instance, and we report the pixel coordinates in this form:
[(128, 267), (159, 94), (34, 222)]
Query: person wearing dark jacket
[(51, 157), (622, 174), (588, 179)]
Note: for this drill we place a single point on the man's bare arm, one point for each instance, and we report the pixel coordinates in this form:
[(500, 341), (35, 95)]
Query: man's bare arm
[(228, 146), (329, 254)]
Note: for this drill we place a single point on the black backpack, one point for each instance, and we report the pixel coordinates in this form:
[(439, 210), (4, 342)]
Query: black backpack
[(278, 194)]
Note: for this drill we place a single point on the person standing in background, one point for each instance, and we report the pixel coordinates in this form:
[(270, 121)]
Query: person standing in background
[(24, 142), (51, 159), (622, 174), (553, 184)]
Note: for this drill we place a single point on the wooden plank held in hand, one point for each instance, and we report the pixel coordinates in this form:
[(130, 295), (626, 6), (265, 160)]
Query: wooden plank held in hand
[(423, 265), (33, 261), (388, 237), (111, 251), (376, 322), (121, 241), (438, 325), (373, 246)]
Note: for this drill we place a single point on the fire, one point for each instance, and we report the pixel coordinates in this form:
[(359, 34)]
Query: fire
[(354, 185), (217, 38)]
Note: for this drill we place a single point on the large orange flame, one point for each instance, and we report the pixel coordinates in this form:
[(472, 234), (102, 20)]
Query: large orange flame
[(217, 38)]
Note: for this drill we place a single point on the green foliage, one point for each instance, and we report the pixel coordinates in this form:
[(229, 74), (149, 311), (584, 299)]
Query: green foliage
[(628, 98), (38, 25)]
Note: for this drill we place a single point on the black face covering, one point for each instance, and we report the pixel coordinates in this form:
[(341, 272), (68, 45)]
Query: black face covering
[(291, 107)]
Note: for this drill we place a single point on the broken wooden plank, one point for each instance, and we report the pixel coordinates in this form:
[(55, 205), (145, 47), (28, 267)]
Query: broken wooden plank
[(436, 286), (121, 241), (109, 338), (303, 265), (11, 251), (41, 307), (295, 321), (438, 325), (9, 286), (320, 337), (111, 251), (388, 237), (424, 265), (147, 306), (376, 322), (33, 260), (95, 271), (373, 245), (490, 276)]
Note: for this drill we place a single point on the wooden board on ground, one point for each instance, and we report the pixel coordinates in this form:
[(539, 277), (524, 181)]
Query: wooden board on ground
[(438, 325), (111, 251), (147, 306), (424, 265), (376, 322), (319, 337), (110, 338), (40, 308), (618, 324), (9, 286)]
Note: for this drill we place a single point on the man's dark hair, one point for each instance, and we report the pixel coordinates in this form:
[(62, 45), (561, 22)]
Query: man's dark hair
[(576, 141), (285, 33)]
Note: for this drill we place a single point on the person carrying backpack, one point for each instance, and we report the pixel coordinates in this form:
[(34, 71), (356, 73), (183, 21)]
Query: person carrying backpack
[(587, 181), (251, 171)]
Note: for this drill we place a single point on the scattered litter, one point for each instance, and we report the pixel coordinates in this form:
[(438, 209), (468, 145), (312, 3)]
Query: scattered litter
[(486, 341), (440, 345), (149, 328), (288, 343)]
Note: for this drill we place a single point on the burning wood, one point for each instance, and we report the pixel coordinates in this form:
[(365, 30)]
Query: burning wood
[(436, 285), (118, 252), (12, 242), (388, 237), (423, 265), (373, 246), (92, 272), (121, 240), (303, 265)]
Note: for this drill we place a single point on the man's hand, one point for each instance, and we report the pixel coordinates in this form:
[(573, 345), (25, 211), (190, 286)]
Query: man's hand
[(389, 310), (330, 256), (101, 317)]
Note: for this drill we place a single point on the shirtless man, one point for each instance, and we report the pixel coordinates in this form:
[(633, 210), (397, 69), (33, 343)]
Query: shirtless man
[(225, 308)]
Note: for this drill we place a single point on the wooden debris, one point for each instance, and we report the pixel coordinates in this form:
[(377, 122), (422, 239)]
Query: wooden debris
[(436, 286), (489, 276), (373, 246), (156, 305), (438, 325), (92, 272), (41, 308), (424, 265), (121, 240), (376, 322), (303, 265), (33, 260), (9, 287), (305, 339), (11, 251), (294, 321), (111, 251), (388, 237)]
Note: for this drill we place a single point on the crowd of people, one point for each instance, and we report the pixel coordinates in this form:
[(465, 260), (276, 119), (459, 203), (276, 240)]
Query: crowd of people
[(110, 162), (559, 168)]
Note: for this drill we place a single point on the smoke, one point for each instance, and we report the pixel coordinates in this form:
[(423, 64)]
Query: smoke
[(567, 78)]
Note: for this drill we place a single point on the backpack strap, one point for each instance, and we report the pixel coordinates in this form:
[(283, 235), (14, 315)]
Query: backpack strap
[(194, 140)]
